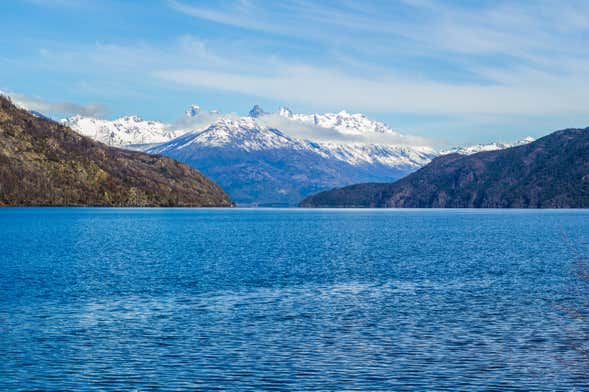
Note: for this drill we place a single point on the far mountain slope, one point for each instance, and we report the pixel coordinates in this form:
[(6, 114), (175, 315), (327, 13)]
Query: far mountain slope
[(552, 172)]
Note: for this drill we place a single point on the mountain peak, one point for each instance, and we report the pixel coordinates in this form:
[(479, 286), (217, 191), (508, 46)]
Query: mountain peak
[(132, 118), (124, 131), (285, 112), (256, 111), (192, 111)]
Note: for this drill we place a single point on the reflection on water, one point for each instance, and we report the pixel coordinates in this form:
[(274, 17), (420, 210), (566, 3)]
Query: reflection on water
[(263, 299)]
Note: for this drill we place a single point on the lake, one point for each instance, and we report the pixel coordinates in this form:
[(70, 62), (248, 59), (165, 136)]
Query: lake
[(292, 299)]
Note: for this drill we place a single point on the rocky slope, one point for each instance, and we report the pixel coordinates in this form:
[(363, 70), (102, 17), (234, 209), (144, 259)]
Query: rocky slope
[(45, 163), (552, 172)]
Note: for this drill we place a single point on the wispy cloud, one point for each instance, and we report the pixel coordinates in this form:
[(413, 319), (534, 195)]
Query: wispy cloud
[(457, 62), (537, 93), (519, 57), (191, 63), (496, 28), (241, 17), (63, 108)]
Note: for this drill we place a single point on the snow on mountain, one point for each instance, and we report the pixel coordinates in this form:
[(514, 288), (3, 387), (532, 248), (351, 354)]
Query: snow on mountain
[(257, 159), (134, 132), (122, 131), (387, 155), (258, 164), (285, 112), (343, 122), (250, 134), (473, 149), (346, 124), (244, 133)]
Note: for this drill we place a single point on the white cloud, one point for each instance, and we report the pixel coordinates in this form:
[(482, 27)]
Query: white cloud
[(46, 107), (538, 93), (190, 63), (499, 27), (505, 59), (520, 58), (200, 122), (229, 18)]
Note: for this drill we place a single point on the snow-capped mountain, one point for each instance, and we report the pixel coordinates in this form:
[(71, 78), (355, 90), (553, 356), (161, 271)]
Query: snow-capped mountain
[(258, 162), (124, 131), (346, 124), (473, 149), (248, 134), (244, 133), (133, 132)]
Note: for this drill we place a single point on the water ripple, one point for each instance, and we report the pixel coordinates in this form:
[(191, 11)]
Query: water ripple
[(282, 300)]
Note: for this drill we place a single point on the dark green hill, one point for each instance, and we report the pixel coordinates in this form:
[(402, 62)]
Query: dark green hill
[(45, 164), (552, 172)]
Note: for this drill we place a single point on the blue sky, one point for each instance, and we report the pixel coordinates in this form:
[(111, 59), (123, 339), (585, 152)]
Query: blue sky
[(456, 71)]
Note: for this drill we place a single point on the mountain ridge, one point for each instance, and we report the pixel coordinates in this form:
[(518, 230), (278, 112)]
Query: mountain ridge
[(43, 163), (551, 172), (267, 161)]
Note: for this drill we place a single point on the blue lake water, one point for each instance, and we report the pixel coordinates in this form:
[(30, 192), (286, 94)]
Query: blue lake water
[(291, 299)]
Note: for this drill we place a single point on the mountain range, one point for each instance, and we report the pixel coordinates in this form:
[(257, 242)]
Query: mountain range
[(261, 165), (265, 159), (551, 172), (124, 131), (45, 163)]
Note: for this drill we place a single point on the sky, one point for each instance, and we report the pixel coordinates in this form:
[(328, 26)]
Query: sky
[(456, 72)]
